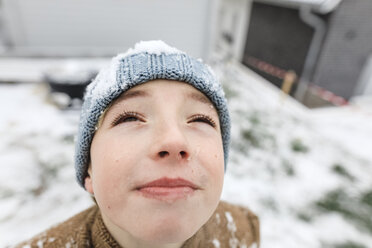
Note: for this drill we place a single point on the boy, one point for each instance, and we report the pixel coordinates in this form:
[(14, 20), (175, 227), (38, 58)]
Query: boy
[(152, 147)]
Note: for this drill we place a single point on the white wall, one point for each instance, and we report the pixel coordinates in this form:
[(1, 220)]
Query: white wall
[(233, 20), (96, 27)]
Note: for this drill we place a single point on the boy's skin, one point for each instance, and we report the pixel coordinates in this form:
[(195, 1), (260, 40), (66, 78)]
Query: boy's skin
[(169, 130)]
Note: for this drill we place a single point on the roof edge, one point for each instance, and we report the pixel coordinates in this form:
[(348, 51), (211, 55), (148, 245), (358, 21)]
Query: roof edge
[(320, 6)]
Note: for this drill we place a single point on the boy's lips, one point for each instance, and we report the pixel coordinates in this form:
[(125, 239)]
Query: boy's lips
[(167, 189)]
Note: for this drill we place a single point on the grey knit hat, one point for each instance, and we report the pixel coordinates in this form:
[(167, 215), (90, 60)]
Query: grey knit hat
[(148, 61)]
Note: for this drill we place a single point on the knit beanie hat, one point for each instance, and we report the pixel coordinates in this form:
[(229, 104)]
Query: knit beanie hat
[(148, 61)]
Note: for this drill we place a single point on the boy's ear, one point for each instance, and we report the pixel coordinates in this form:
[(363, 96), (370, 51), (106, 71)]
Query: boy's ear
[(88, 182)]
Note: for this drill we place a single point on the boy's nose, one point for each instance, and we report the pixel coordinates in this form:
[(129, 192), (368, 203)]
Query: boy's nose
[(171, 144), (178, 154)]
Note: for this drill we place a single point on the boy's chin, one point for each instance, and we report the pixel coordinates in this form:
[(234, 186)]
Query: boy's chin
[(169, 227), (155, 222), (171, 232)]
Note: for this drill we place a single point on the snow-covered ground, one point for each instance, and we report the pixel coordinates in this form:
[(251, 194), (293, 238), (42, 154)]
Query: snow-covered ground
[(306, 173)]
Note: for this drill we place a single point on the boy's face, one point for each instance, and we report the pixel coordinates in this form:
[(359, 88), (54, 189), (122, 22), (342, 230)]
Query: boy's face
[(157, 163)]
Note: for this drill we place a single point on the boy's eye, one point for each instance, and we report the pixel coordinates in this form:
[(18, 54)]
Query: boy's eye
[(202, 118), (127, 117)]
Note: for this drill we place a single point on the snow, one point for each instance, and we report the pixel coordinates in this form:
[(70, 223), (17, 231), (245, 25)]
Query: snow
[(230, 222), (37, 181), (108, 74), (216, 243), (288, 164), (233, 241), (285, 186), (152, 47), (69, 73)]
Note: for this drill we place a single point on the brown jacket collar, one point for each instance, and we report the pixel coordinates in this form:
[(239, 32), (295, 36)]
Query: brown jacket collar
[(229, 226)]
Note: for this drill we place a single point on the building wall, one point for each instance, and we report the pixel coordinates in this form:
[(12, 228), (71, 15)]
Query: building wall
[(105, 27), (347, 47), (277, 36)]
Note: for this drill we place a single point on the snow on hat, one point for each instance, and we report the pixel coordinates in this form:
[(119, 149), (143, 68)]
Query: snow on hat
[(149, 60)]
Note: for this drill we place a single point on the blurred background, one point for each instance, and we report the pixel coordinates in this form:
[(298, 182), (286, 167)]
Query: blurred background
[(297, 75)]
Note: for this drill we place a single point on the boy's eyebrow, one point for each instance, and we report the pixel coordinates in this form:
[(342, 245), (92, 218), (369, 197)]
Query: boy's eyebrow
[(134, 93), (199, 97)]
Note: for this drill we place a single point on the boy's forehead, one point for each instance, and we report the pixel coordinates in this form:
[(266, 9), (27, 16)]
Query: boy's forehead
[(147, 90)]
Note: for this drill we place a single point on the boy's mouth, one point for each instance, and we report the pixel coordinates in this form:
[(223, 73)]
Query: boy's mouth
[(168, 189)]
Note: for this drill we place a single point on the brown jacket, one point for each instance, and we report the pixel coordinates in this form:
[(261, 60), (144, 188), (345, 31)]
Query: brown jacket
[(229, 226)]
